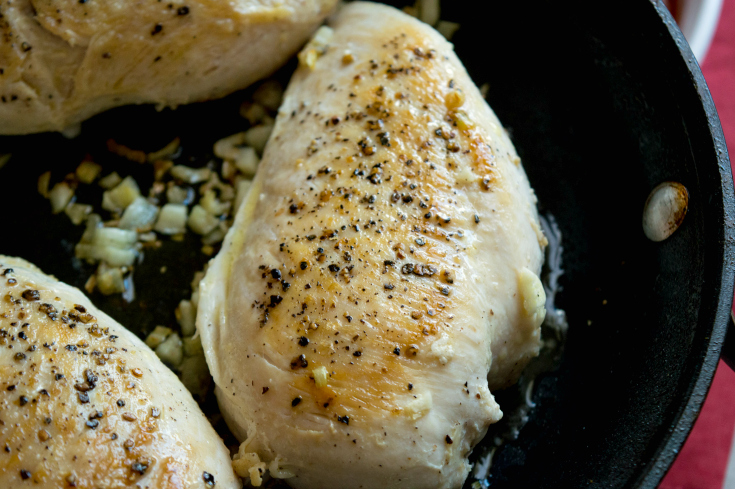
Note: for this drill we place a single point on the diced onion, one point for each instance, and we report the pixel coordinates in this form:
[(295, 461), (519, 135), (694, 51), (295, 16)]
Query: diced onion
[(78, 212), (158, 336), (116, 247), (308, 57), (462, 120), (447, 29), (121, 150), (90, 284), (171, 219), (171, 351), (198, 277), (140, 215), (316, 47), (269, 94), (193, 346), (215, 236), (110, 280), (228, 170), (43, 183), (253, 112), (186, 315), (533, 296), (201, 221), (229, 147), (115, 257), (72, 131), (195, 376), (232, 147), (244, 460), (429, 11), (257, 472), (160, 168), (179, 195), (120, 197), (60, 196), (114, 237), (87, 171), (191, 175), (321, 376), (226, 192), (93, 222), (247, 161), (147, 237), (211, 204), (165, 152), (110, 181), (257, 137)]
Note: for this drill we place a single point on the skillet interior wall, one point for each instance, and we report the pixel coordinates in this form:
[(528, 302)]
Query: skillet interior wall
[(600, 108)]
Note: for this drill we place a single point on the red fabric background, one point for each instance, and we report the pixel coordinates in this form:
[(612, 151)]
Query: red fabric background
[(702, 462)]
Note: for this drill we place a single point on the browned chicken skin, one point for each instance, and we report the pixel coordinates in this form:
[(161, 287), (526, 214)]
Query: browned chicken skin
[(84, 403), (384, 264), (63, 61)]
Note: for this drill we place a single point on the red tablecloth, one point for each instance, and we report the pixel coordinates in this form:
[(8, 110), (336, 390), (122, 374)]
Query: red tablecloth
[(703, 460)]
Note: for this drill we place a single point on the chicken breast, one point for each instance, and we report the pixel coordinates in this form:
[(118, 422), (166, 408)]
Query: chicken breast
[(84, 403), (382, 274), (63, 61)]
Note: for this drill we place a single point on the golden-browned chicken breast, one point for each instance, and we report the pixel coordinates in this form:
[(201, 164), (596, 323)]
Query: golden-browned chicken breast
[(84, 403), (382, 275), (62, 61)]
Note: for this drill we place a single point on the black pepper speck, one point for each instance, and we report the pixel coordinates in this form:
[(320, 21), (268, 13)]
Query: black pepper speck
[(31, 295)]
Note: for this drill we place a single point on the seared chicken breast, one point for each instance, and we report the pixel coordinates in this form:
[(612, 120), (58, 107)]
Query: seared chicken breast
[(63, 61), (382, 275), (84, 403)]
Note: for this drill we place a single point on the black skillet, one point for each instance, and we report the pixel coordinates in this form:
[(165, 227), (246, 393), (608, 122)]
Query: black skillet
[(603, 101)]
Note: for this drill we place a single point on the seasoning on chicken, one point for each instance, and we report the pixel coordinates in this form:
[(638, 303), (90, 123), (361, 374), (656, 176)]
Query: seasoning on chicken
[(63, 61), (381, 277), (84, 403)]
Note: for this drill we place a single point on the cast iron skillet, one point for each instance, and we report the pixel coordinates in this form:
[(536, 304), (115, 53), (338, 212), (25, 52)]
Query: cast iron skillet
[(603, 104)]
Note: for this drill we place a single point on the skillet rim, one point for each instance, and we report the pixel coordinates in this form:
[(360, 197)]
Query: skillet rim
[(699, 386)]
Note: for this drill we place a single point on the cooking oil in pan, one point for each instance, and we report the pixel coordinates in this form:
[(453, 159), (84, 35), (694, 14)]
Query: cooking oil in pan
[(517, 401)]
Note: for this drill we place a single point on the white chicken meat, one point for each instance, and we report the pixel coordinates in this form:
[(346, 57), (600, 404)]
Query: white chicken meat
[(381, 277), (84, 403)]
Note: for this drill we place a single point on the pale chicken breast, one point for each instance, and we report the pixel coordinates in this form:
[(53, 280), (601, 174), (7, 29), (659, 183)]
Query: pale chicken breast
[(62, 61), (84, 403), (382, 275)]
